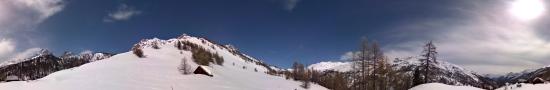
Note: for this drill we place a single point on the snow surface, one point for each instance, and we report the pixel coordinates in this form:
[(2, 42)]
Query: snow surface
[(439, 86), (159, 71), (336, 66), (525, 86)]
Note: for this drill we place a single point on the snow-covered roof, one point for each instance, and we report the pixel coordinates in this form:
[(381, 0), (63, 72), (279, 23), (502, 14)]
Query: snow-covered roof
[(206, 69)]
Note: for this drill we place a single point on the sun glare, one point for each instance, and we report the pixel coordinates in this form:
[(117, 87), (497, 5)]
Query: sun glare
[(527, 9)]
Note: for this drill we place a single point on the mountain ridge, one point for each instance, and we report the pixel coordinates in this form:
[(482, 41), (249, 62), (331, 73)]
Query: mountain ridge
[(44, 63), (446, 72), (159, 69)]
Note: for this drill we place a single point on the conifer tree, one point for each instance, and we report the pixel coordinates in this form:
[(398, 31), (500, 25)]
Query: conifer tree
[(429, 55)]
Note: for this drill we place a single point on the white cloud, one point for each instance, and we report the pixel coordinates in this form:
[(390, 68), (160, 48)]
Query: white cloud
[(27, 13), (123, 12), (6, 47), (350, 55), (18, 18), (487, 39), (44, 8), (347, 56)]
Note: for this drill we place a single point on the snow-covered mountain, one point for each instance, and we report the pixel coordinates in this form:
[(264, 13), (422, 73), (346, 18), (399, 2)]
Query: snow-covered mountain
[(43, 62), (526, 76), (440, 86), (447, 73), (159, 70), (33, 54), (443, 72), (511, 77), (331, 65)]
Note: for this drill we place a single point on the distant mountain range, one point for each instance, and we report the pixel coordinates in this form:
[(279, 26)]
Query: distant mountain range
[(527, 76), (44, 63), (444, 72), (448, 73)]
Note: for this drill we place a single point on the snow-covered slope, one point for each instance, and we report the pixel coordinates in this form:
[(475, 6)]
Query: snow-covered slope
[(526, 87), (440, 86), (330, 65), (159, 71)]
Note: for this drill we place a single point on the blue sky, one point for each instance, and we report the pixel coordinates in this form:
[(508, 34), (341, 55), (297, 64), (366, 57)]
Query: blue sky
[(282, 31), (321, 30)]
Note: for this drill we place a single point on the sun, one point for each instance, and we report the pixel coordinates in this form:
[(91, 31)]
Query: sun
[(527, 9)]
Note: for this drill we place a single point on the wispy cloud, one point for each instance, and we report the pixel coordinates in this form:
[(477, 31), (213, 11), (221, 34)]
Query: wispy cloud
[(123, 12), (20, 17), (289, 5), (15, 14)]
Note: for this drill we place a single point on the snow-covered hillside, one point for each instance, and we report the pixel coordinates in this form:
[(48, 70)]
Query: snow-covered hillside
[(159, 71), (336, 66), (525, 86), (440, 86)]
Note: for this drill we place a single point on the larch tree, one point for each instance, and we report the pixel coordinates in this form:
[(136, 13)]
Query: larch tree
[(184, 67), (360, 66), (375, 57), (429, 55)]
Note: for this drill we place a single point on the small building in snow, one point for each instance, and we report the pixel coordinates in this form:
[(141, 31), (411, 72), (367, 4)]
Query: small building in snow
[(538, 81), (12, 78), (203, 70)]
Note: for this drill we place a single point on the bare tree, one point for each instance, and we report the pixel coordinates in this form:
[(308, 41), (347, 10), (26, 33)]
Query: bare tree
[(429, 53), (375, 56), (360, 66), (306, 77), (298, 71), (184, 67)]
